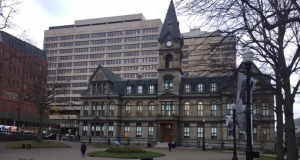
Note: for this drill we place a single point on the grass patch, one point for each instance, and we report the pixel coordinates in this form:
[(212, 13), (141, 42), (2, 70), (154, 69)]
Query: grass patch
[(125, 155), (36, 144), (263, 157), (98, 145)]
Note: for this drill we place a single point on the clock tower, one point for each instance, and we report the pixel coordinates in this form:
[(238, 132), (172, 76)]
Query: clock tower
[(170, 54)]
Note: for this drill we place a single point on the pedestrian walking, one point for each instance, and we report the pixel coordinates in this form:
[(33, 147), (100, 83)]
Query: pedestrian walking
[(83, 149), (170, 146)]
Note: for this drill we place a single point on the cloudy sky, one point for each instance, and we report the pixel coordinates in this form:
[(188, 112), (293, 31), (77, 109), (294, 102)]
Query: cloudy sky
[(35, 16)]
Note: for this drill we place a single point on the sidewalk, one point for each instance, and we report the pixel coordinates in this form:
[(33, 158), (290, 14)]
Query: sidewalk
[(74, 153)]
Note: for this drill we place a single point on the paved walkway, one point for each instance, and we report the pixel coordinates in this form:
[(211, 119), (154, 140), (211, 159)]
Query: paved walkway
[(73, 153)]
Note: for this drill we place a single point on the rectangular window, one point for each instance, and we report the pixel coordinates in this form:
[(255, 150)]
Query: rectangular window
[(138, 130), (128, 90), (254, 132), (127, 130), (213, 109), (110, 129), (168, 84), (265, 109), (187, 88), (213, 131), (84, 129), (186, 130), (151, 89), (200, 130), (213, 87), (199, 88), (140, 89), (229, 109), (167, 108), (150, 130), (254, 110)]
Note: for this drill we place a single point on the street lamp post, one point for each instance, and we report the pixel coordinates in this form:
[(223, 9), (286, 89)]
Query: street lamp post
[(203, 147), (248, 58), (234, 139)]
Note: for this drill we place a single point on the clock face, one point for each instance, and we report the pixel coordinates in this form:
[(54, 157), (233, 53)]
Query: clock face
[(169, 43)]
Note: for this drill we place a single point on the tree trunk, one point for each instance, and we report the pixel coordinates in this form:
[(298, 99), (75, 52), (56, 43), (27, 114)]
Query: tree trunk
[(279, 136), (290, 139), (41, 124)]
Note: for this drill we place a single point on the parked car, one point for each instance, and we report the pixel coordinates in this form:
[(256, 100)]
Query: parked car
[(51, 136)]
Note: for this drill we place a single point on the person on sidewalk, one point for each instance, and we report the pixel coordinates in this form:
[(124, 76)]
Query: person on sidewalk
[(170, 146), (83, 149)]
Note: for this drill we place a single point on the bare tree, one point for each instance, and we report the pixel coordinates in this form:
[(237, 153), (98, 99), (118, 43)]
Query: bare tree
[(42, 93), (8, 9), (271, 29)]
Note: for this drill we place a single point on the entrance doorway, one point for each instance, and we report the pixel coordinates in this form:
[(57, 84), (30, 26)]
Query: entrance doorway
[(167, 133)]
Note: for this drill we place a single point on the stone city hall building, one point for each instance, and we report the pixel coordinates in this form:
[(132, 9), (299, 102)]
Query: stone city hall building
[(172, 107)]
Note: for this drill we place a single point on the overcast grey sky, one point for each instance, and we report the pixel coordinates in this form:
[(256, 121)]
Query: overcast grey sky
[(35, 16)]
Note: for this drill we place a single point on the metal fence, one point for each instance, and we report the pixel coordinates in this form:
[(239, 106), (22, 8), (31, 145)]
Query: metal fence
[(16, 136)]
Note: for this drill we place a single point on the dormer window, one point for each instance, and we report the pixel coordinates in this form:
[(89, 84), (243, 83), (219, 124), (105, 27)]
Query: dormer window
[(128, 90), (213, 87), (168, 61), (151, 89), (187, 88), (140, 89), (200, 88)]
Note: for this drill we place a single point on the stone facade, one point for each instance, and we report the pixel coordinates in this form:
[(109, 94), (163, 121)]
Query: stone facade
[(173, 107)]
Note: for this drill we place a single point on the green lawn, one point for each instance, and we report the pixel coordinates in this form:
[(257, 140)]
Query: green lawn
[(98, 145), (36, 144), (263, 157), (125, 155)]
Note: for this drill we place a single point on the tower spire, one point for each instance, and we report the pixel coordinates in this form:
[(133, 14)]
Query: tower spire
[(171, 25)]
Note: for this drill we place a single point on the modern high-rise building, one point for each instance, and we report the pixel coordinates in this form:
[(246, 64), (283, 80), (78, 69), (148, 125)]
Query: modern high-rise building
[(127, 46)]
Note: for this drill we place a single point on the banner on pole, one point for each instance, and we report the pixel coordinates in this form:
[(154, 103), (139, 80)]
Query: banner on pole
[(241, 100), (230, 126)]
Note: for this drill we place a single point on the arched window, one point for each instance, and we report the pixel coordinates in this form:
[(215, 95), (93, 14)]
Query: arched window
[(151, 109), (213, 105), (111, 108), (85, 109), (200, 108), (168, 60), (229, 106), (139, 109), (186, 108), (127, 109)]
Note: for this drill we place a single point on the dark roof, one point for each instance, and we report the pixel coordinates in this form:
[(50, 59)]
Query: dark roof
[(21, 45), (171, 25), (108, 74)]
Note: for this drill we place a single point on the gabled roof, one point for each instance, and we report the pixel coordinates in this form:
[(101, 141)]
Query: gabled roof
[(107, 73), (171, 25)]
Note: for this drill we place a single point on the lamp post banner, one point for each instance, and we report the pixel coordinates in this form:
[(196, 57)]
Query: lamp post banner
[(229, 124), (241, 100)]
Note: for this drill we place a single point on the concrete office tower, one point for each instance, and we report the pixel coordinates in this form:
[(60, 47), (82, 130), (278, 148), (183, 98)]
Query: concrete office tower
[(126, 45)]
